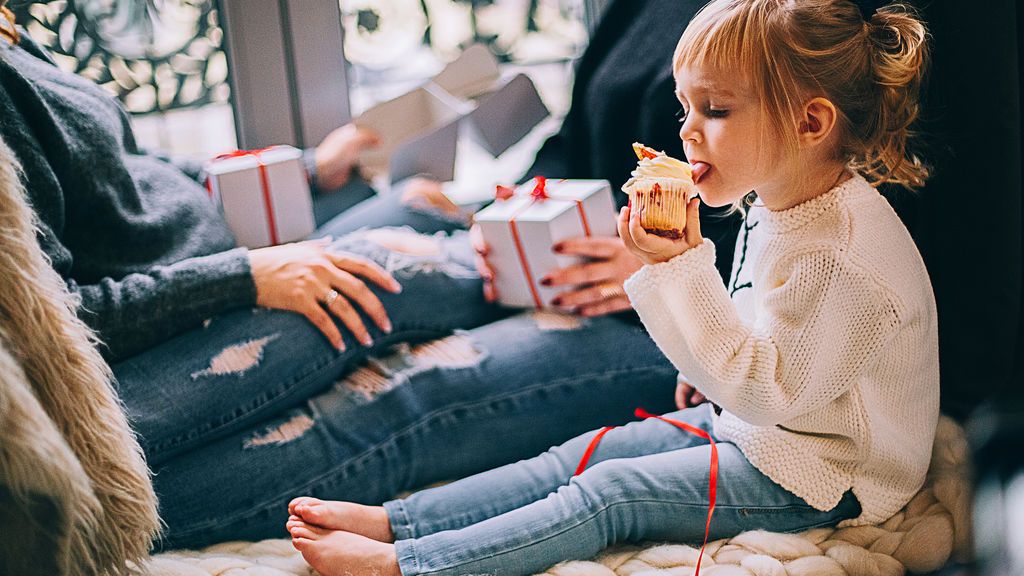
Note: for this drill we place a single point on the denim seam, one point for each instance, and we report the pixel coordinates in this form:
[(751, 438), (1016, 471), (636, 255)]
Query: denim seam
[(432, 417), (398, 517)]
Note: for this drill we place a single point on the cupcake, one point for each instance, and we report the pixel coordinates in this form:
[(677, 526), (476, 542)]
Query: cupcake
[(658, 190)]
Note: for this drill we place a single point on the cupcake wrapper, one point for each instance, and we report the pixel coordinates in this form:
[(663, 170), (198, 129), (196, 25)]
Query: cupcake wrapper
[(662, 208)]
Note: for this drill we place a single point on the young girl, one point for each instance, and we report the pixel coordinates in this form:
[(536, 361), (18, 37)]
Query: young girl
[(822, 352)]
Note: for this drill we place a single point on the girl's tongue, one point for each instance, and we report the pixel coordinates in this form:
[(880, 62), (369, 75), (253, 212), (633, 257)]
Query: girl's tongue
[(698, 170)]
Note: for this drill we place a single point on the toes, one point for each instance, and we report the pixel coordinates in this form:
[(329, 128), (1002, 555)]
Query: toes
[(296, 502), (302, 530)]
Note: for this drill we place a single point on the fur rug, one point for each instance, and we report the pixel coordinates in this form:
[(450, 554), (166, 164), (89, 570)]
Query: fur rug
[(932, 529), (64, 439)]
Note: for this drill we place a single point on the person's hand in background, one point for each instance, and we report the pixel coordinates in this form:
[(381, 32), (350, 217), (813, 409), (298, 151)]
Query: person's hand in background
[(594, 286), (338, 154), (686, 395)]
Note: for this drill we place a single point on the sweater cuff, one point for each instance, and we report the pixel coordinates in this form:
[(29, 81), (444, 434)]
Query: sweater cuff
[(680, 272), (235, 285), (309, 163)]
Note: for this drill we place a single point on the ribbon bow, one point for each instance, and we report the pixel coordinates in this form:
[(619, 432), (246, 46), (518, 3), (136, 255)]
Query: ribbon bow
[(268, 204)]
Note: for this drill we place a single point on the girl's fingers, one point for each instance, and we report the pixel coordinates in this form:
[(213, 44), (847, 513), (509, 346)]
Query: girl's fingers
[(625, 233), (693, 236)]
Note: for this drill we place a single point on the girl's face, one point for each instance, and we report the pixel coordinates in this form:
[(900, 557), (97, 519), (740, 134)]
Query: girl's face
[(722, 133)]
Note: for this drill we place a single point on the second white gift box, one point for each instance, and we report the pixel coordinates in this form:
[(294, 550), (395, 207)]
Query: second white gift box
[(521, 231), (264, 195)]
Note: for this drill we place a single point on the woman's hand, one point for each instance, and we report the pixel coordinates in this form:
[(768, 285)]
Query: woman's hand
[(426, 193), (483, 267), (686, 395), (339, 153), (305, 278), (653, 249), (596, 284)]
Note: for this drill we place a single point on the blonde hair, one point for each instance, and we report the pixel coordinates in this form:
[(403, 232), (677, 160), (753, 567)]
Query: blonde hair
[(8, 29), (790, 50)]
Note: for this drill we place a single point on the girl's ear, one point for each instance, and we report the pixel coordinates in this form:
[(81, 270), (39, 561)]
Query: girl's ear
[(817, 120)]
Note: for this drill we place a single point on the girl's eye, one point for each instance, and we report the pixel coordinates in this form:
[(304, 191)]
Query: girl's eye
[(681, 115), (716, 112)]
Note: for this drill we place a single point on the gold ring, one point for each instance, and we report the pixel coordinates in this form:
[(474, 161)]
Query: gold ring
[(331, 297), (610, 290)]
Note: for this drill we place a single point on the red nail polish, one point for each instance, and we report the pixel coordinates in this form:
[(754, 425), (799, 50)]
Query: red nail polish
[(556, 301), (545, 281), (558, 248)]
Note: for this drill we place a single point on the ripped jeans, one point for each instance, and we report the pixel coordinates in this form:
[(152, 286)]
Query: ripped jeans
[(256, 408)]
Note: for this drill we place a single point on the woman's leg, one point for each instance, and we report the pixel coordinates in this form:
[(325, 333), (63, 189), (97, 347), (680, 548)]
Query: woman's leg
[(248, 365), (387, 209), (440, 411), (660, 496)]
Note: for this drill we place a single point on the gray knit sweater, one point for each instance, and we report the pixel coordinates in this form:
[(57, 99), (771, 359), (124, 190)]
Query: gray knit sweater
[(133, 235)]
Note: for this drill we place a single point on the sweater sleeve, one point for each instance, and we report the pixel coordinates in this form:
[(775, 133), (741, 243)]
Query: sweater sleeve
[(141, 310), (817, 329)]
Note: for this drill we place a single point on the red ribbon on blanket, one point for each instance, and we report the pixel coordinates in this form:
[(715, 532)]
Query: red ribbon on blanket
[(712, 473), (264, 184), (539, 194)]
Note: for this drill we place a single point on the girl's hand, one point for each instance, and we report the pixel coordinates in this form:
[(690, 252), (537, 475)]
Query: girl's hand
[(339, 153), (653, 249), (300, 277), (597, 283), (476, 238), (686, 395)]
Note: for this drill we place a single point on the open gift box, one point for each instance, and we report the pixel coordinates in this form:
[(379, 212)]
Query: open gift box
[(419, 130), (521, 230)]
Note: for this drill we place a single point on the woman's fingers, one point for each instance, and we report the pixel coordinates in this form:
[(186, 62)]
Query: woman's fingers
[(609, 306), (365, 268), (357, 291), (577, 274), (316, 314), (349, 316), (600, 247)]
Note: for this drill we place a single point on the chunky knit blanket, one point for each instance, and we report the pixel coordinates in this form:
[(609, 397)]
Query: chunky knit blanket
[(927, 533)]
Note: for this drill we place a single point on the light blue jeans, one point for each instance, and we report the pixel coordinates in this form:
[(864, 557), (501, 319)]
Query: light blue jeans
[(255, 408), (646, 481)]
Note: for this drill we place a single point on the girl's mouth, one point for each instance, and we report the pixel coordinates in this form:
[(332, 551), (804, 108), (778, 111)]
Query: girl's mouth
[(699, 170)]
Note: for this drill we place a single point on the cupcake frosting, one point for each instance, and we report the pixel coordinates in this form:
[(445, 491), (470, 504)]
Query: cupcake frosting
[(662, 166)]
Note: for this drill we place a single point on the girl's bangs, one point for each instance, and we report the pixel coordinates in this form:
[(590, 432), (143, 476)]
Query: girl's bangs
[(719, 37)]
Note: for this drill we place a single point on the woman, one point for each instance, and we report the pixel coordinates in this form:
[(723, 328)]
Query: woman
[(242, 395)]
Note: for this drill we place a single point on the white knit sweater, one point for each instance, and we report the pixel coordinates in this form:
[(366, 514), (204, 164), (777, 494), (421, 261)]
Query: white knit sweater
[(826, 363)]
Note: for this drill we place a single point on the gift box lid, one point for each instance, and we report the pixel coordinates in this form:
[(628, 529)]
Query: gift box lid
[(269, 156)]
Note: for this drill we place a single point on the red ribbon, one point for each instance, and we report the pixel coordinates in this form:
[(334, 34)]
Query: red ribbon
[(712, 472), (264, 184), (539, 194)]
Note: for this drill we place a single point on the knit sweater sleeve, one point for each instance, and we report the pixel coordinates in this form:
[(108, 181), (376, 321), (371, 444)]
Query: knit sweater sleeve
[(141, 310), (818, 326)]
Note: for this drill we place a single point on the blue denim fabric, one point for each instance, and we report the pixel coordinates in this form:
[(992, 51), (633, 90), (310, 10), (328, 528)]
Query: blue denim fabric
[(645, 481), (525, 390), (230, 448), (183, 394)]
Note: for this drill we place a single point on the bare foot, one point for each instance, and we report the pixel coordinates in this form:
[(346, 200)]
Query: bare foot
[(369, 521), (338, 553)]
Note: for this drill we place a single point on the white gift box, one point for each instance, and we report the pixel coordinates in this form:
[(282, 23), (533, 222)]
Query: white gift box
[(264, 195), (521, 231)]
